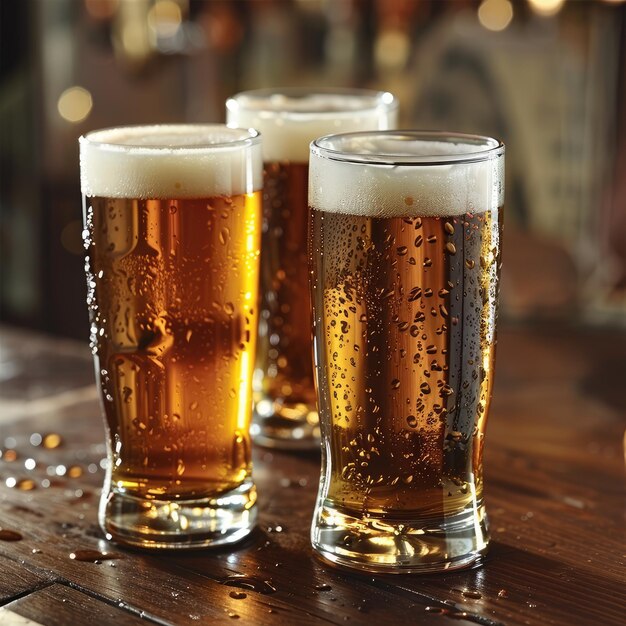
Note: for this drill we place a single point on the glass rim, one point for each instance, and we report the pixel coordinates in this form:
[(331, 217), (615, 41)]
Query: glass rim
[(487, 148), (372, 100), (250, 137)]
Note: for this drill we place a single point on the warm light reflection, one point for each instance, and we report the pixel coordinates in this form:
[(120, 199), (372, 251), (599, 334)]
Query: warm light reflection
[(165, 18), (134, 39), (546, 7), (392, 49), (243, 418), (495, 15), (74, 104)]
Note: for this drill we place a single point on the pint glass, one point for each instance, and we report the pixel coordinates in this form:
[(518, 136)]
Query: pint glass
[(405, 245), (285, 412), (172, 223)]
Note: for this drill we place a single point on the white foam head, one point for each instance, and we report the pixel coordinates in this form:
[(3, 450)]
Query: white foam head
[(289, 119), (170, 161), (406, 174)]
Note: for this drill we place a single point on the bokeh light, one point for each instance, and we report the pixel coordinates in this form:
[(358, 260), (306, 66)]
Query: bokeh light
[(392, 49), (546, 7), (495, 15), (74, 104), (165, 18)]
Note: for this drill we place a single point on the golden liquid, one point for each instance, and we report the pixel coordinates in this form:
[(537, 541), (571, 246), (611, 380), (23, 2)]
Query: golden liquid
[(284, 353), (172, 289), (405, 312)]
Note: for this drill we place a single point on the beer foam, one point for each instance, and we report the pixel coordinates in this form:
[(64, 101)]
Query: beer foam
[(170, 161), (289, 123), (372, 175)]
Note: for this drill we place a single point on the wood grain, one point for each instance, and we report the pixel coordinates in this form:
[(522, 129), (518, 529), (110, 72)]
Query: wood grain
[(16, 580), (555, 495), (60, 605)]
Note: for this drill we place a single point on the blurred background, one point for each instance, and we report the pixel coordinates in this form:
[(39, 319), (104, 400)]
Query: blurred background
[(548, 77)]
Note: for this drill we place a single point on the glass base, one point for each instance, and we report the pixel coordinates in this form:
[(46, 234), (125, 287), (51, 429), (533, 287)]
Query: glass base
[(400, 546), (180, 524), (286, 426)]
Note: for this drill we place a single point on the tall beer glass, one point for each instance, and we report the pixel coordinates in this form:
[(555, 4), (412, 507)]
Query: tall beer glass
[(405, 256), (172, 218), (285, 412)]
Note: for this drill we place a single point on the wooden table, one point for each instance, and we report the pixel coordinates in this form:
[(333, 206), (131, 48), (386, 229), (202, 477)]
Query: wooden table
[(555, 496)]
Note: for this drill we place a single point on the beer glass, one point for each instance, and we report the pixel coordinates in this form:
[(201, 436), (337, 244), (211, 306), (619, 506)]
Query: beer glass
[(285, 412), (172, 223), (405, 241)]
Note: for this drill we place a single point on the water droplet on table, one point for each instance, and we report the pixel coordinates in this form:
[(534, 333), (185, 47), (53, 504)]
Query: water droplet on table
[(26, 484), (9, 455), (91, 556), (238, 595), (9, 535), (52, 441), (74, 471), (249, 582)]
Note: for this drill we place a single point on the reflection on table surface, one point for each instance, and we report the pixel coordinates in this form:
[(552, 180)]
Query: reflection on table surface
[(554, 490)]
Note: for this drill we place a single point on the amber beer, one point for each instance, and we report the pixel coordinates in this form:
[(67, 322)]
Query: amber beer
[(405, 256), (285, 412), (172, 235)]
